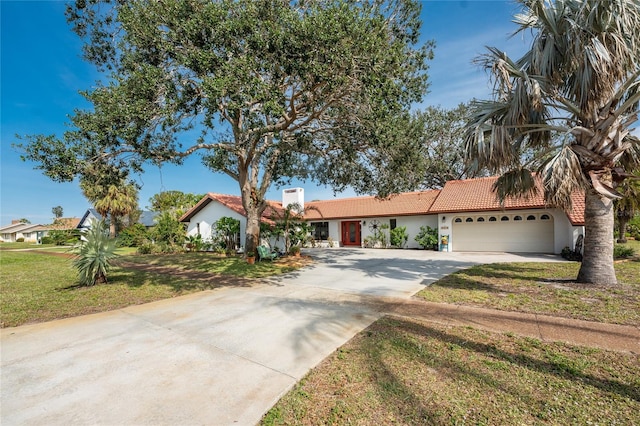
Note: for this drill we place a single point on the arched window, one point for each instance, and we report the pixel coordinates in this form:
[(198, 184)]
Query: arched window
[(480, 219), (493, 219), (458, 220), (517, 218), (469, 220), (531, 217), (545, 217), (504, 218)]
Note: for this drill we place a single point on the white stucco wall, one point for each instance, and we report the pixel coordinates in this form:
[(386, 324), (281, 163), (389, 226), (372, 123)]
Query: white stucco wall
[(209, 215), (413, 224), (566, 234)]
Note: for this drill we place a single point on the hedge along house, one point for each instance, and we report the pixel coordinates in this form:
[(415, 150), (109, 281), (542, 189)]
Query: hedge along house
[(466, 214)]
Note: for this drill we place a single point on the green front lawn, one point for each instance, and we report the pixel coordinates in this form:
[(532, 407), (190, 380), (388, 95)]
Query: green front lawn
[(543, 288), (40, 287), (401, 371)]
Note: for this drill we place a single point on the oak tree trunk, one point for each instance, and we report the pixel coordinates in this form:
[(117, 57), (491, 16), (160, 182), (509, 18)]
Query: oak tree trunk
[(252, 234), (597, 260)]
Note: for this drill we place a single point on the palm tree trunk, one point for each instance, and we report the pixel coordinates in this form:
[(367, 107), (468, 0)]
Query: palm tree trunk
[(112, 227), (622, 228), (597, 261)]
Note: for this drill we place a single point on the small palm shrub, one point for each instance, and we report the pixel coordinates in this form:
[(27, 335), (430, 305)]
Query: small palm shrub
[(94, 254)]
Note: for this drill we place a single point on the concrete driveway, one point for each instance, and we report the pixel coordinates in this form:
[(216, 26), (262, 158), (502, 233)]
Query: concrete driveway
[(220, 357)]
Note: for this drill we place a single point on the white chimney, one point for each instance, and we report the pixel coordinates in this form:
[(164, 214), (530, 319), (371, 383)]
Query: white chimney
[(293, 196)]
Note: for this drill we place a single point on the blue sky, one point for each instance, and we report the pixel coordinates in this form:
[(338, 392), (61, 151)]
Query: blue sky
[(42, 73)]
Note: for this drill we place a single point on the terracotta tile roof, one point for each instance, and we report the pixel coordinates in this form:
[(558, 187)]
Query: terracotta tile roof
[(233, 202), (576, 215), (65, 223), (456, 196), (408, 203), (477, 195), (62, 224)]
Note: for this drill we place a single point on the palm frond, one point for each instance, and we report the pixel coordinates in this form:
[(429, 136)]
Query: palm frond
[(630, 159), (561, 177), (518, 183)]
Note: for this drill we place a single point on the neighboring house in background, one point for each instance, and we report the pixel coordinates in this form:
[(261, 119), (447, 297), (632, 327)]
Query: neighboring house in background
[(465, 212), (11, 233), (146, 218), (34, 233), (89, 216)]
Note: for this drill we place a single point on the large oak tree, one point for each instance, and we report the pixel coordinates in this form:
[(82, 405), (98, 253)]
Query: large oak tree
[(271, 89)]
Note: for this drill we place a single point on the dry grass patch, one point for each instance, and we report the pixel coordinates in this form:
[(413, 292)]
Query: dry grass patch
[(401, 371), (543, 288)]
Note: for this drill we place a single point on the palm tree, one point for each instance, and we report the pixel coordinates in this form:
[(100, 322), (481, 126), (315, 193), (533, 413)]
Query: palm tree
[(628, 206), (118, 201), (570, 100)]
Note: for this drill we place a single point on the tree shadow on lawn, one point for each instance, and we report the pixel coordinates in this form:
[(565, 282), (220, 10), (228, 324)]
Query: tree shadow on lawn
[(405, 337), (179, 280), (505, 271), (479, 277)]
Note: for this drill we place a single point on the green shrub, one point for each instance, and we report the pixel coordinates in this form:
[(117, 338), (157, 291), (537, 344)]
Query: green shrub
[(20, 240), (227, 230), (622, 252), (427, 238), (146, 248), (62, 237), (195, 243), (168, 230), (399, 236), (47, 240), (94, 254), (133, 236)]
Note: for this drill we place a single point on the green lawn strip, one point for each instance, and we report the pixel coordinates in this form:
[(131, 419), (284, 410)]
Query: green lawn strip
[(39, 287), (21, 246), (400, 371), (543, 288)]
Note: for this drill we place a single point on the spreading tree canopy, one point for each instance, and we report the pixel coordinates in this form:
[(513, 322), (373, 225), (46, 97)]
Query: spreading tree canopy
[(272, 90), (442, 142), (571, 100)]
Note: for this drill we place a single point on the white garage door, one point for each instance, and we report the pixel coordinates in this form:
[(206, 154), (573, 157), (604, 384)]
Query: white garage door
[(520, 233)]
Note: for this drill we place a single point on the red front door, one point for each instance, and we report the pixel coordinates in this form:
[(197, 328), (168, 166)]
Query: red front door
[(351, 233)]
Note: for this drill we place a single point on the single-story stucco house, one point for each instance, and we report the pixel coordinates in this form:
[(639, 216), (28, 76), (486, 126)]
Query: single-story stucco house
[(466, 214)]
